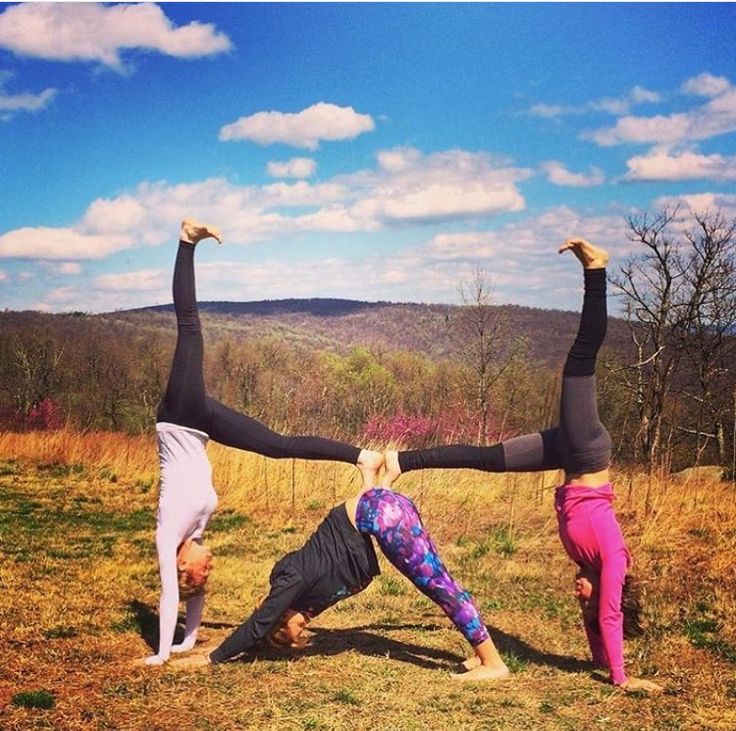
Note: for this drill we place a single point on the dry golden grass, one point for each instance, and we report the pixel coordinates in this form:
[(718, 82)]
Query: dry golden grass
[(79, 601)]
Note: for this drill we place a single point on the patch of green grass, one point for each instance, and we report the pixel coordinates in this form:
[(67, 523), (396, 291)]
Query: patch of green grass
[(34, 699), (107, 473), (347, 697), (311, 723), (315, 505), (492, 605), (227, 520), (60, 632), (391, 585), (144, 485), (514, 663), (128, 623), (60, 469), (480, 549), (703, 633), (505, 544), (10, 467)]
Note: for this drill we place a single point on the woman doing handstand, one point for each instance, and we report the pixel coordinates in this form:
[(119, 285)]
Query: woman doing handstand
[(186, 420), (581, 446)]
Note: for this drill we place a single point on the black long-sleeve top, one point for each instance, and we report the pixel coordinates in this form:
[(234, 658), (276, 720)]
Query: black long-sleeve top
[(334, 563)]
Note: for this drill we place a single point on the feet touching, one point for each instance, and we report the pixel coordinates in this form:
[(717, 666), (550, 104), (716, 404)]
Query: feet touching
[(369, 464), (590, 256), (393, 470), (193, 232)]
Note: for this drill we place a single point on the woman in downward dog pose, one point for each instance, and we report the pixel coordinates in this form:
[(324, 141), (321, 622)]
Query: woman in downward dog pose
[(581, 446), (339, 560), (186, 420)]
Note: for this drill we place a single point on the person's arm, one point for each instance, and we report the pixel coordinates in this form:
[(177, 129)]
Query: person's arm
[(610, 617), (169, 601), (195, 605), (286, 587)]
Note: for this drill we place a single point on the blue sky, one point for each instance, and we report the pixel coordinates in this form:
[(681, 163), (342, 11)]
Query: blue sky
[(367, 151)]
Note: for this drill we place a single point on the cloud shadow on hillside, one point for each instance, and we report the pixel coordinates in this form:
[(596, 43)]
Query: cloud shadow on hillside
[(320, 307)]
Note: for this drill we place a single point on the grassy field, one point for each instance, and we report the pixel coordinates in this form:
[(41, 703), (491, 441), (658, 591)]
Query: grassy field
[(79, 593)]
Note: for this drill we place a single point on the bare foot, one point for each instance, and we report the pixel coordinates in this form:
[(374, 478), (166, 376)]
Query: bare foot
[(633, 685), (192, 232), (483, 672), (470, 663), (369, 464), (393, 470), (590, 256)]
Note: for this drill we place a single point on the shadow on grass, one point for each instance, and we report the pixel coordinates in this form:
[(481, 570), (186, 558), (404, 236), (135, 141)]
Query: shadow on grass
[(363, 639), (326, 642), (511, 644), (146, 620)]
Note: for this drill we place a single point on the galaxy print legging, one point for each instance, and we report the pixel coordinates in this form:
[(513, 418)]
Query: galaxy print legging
[(393, 520)]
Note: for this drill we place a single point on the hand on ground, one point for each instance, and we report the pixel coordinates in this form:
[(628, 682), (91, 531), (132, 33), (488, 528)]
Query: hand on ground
[(185, 646), (638, 684), (152, 660)]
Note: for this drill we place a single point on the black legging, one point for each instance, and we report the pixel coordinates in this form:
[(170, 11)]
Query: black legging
[(186, 402), (579, 444)]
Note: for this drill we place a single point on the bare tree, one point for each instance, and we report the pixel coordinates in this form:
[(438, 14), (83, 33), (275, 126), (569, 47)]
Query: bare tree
[(483, 338), (37, 358), (678, 293), (709, 345)]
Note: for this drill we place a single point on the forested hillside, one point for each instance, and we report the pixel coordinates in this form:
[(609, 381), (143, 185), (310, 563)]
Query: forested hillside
[(412, 374), (340, 325)]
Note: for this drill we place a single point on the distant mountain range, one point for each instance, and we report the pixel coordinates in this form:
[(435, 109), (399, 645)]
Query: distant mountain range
[(339, 325)]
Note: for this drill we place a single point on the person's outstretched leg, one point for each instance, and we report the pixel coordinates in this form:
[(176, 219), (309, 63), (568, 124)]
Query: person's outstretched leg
[(393, 520), (184, 400), (583, 442), (535, 452), (234, 429)]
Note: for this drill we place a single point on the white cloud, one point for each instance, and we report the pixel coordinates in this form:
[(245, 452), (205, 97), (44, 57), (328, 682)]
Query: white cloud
[(26, 102), (69, 267), (305, 129), (58, 243), (10, 104), (405, 187), (640, 95), (145, 280), (3, 275), (702, 203), (663, 165), (558, 174), (549, 110), (444, 185), (399, 159), (520, 258), (716, 117), (615, 106), (706, 85), (297, 167), (100, 33)]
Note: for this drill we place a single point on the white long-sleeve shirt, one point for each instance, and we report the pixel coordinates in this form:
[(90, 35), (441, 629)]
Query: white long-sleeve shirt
[(187, 499)]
